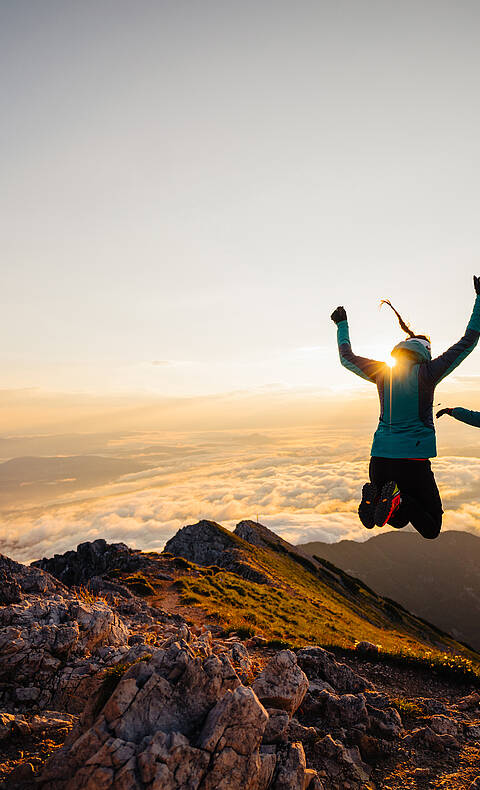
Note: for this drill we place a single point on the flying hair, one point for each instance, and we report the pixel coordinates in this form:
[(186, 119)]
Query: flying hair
[(402, 323)]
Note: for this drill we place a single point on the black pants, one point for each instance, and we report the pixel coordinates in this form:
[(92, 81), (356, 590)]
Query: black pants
[(421, 503)]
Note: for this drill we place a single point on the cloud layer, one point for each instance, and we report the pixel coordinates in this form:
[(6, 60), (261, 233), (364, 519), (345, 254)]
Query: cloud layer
[(302, 483)]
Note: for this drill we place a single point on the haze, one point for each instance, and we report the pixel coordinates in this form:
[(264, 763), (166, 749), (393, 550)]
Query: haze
[(187, 191)]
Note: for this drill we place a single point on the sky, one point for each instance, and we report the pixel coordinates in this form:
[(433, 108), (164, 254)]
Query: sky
[(188, 190)]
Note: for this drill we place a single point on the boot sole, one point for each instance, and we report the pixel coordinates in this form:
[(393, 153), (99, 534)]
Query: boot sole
[(387, 505), (366, 508)]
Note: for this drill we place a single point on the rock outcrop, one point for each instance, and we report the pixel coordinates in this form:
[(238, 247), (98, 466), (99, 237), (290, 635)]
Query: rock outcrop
[(89, 560), (147, 702), (207, 543), (52, 641), (282, 684), (179, 720)]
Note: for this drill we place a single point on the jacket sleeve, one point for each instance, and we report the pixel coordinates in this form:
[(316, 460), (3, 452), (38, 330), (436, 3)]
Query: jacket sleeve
[(450, 359), (464, 415), (365, 368)]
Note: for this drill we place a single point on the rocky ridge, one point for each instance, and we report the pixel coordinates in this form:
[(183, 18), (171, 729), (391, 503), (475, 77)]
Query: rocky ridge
[(150, 702)]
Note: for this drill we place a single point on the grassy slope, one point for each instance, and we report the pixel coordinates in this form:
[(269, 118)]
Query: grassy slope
[(311, 605)]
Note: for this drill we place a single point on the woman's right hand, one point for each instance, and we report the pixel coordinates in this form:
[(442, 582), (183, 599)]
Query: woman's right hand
[(339, 315), (444, 411)]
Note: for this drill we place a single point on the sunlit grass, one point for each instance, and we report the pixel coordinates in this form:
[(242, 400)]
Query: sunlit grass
[(299, 609)]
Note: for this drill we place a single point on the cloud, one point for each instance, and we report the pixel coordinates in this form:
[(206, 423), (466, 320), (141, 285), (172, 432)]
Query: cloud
[(303, 483)]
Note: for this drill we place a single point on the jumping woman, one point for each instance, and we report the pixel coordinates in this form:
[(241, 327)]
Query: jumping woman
[(402, 487)]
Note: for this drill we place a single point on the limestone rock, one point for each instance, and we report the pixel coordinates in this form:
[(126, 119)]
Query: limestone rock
[(282, 684), (367, 649), (169, 761), (240, 657), (345, 710), (443, 725), (319, 664), (48, 638), (290, 773), (430, 739), (342, 766), (297, 732), (277, 726), (237, 721), (207, 543), (89, 560), (149, 724), (232, 734), (384, 719)]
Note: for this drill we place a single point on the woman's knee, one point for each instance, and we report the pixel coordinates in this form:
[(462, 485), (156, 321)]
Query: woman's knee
[(432, 531)]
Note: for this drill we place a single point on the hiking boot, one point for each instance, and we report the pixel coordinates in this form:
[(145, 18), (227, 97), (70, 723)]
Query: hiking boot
[(388, 503), (366, 508)]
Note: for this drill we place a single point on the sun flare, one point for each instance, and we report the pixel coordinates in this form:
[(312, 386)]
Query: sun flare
[(391, 362)]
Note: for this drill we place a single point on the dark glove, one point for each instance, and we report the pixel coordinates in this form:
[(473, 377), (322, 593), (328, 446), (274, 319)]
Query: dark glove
[(476, 284), (444, 411), (339, 315)]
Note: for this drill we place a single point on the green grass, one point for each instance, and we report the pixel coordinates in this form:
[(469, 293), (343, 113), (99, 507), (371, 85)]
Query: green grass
[(300, 608), (406, 707), (111, 678), (139, 584)]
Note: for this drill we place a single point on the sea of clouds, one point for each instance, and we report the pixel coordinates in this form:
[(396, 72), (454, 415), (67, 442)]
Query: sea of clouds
[(302, 482)]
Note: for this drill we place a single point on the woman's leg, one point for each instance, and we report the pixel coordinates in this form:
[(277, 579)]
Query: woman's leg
[(381, 471), (420, 497)]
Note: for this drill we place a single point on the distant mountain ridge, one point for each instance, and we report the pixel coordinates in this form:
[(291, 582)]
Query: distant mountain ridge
[(438, 580)]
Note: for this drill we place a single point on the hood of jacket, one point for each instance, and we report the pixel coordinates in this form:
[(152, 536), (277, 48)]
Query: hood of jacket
[(416, 348)]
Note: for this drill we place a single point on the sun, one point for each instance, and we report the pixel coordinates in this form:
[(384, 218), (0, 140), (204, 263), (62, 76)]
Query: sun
[(391, 362)]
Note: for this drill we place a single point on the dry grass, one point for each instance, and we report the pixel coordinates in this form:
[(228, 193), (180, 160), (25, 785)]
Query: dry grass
[(299, 608)]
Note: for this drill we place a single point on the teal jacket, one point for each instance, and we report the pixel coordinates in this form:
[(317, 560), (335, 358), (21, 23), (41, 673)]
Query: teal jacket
[(464, 415), (406, 391)]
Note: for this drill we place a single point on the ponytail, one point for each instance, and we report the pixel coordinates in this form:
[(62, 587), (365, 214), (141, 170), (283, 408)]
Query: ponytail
[(402, 323)]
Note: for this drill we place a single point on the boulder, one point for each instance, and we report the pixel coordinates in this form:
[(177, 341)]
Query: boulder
[(208, 543), (367, 649), (320, 664), (429, 739), (290, 773), (177, 719), (443, 725), (345, 711), (232, 734), (343, 767), (89, 560), (277, 726), (282, 684)]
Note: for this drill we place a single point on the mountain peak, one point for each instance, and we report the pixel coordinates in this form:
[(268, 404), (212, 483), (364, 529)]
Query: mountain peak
[(258, 535), (208, 543)]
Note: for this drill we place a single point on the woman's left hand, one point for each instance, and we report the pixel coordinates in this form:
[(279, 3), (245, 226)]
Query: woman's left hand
[(444, 411)]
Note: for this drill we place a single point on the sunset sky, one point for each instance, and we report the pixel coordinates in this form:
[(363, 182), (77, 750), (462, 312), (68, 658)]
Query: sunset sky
[(199, 184), (187, 191)]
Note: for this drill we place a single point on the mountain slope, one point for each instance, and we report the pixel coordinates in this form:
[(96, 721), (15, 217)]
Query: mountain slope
[(438, 580), (153, 697), (300, 600)]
